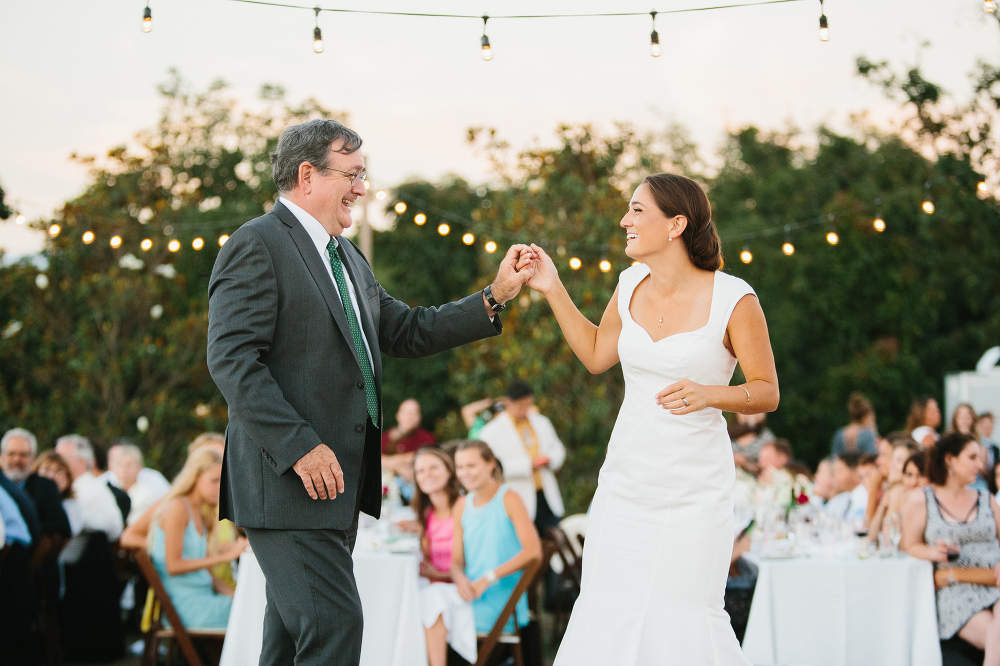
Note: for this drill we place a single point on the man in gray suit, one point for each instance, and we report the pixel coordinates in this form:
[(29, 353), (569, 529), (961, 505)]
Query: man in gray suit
[(297, 326)]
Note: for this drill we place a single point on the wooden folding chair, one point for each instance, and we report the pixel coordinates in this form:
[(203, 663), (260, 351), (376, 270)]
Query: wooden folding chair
[(177, 631), (497, 635), (570, 580)]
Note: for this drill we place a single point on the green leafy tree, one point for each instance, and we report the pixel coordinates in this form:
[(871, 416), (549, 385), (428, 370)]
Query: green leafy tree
[(4, 208), (109, 331)]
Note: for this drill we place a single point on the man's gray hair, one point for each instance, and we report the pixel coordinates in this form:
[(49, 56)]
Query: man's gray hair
[(81, 447), (125, 448), (308, 142), (23, 434)]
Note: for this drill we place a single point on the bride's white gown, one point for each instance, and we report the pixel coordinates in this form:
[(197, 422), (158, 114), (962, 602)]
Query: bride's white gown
[(660, 532)]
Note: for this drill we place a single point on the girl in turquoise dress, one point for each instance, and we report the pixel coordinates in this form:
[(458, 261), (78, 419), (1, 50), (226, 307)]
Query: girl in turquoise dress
[(494, 538), (179, 544)]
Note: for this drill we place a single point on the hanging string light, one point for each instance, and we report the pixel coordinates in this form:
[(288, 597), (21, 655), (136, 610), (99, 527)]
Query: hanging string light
[(419, 219), (20, 219), (605, 265), (380, 195), (491, 247), (746, 256), (468, 239), (654, 38), (400, 207), (222, 239), (831, 232), (990, 6), (88, 237), (146, 244), (879, 223), (54, 230), (317, 34), (174, 245), (824, 27), (444, 229), (927, 206), (147, 19), (198, 243), (575, 263), (487, 53), (115, 242), (787, 247)]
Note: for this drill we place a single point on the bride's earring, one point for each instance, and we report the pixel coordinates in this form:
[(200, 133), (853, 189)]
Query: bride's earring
[(670, 237)]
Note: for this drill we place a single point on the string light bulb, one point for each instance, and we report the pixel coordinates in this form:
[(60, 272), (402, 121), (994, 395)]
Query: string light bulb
[(981, 186), (380, 195), (468, 239), (990, 6), (654, 38), (198, 243), (88, 237), (400, 207), (487, 52), (146, 245), (832, 238), (174, 245), (605, 265), (443, 229), (879, 223), (824, 26), (54, 230), (317, 34), (927, 206), (147, 19), (222, 239), (575, 263), (20, 219), (746, 256), (788, 248), (115, 242), (419, 219), (491, 247)]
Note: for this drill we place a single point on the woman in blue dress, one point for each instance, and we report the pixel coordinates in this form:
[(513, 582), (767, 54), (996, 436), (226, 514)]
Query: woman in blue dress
[(494, 538), (180, 544)]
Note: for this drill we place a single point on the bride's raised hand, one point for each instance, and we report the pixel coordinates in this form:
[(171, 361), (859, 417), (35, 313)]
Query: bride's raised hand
[(546, 277)]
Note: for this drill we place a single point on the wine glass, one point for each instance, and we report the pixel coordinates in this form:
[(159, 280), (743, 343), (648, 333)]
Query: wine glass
[(953, 547)]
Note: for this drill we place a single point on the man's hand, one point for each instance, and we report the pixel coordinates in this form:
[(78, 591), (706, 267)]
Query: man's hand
[(515, 269), (320, 473), (540, 461)]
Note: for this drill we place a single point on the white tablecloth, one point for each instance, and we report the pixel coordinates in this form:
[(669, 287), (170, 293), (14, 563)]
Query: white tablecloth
[(390, 597), (816, 612)]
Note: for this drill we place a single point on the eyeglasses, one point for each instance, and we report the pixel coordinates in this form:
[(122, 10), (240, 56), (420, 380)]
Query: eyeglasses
[(357, 177)]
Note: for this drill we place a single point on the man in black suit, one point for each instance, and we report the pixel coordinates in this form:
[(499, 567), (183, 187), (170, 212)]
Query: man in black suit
[(297, 327)]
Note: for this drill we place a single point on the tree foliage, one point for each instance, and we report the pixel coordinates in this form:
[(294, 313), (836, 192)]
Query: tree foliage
[(105, 335)]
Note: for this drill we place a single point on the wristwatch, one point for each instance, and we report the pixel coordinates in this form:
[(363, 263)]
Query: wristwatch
[(494, 306)]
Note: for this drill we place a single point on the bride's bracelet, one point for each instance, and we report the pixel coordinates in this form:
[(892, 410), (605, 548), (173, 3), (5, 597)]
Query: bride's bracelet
[(748, 397)]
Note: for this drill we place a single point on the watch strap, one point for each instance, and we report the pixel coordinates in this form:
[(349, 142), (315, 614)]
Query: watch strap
[(494, 305)]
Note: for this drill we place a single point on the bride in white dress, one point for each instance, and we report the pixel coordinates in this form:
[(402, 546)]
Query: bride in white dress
[(660, 533)]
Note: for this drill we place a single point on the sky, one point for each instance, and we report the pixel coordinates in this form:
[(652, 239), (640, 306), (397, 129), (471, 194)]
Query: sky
[(80, 75)]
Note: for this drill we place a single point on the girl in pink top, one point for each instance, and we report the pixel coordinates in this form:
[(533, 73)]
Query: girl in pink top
[(446, 618)]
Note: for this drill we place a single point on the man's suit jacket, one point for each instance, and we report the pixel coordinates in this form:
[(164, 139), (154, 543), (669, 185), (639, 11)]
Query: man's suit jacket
[(281, 353), (26, 505), (51, 514)]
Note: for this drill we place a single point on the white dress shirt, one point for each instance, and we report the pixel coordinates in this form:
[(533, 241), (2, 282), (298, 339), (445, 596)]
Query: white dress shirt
[(321, 238)]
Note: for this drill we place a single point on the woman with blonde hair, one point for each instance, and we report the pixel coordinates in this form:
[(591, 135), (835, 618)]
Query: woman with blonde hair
[(179, 543)]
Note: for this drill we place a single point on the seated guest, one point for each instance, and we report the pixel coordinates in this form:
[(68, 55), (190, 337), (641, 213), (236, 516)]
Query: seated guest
[(50, 465), (923, 421), (774, 456), (494, 538), (99, 510), (852, 497), (891, 504), (956, 528), (824, 487), (963, 420), (18, 606), (447, 618), (143, 485), (859, 435), (749, 434), (179, 544), (400, 441), (740, 584), (984, 431), (18, 449), (530, 453)]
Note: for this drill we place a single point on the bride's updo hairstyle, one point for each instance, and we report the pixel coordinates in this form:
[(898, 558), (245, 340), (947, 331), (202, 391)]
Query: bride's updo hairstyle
[(678, 195)]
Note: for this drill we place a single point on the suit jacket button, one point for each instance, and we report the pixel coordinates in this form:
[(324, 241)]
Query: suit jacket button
[(361, 385), (359, 428)]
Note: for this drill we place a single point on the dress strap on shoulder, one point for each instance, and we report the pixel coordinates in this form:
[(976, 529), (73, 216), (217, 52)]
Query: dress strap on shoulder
[(727, 292), (628, 280)]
